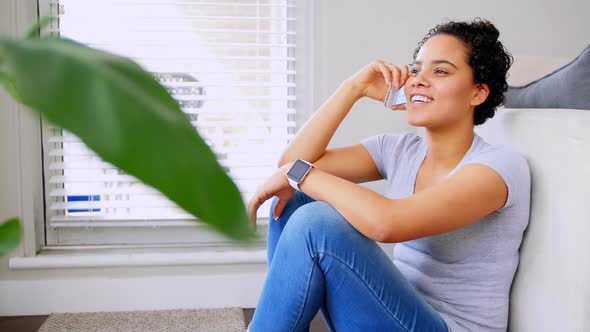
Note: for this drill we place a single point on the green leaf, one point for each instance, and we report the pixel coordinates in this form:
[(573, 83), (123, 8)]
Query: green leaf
[(122, 113), (10, 234), (35, 30), (9, 86)]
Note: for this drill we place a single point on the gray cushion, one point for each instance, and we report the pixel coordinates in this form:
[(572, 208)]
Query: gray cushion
[(567, 87)]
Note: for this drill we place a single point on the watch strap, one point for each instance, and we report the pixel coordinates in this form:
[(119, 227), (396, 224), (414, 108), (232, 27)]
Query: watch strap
[(293, 184)]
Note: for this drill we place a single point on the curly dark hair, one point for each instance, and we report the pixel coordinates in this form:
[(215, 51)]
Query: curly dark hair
[(487, 57)]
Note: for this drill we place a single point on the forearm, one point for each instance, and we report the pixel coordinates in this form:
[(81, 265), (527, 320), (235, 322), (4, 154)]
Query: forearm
[(311, 141), (366, 210)]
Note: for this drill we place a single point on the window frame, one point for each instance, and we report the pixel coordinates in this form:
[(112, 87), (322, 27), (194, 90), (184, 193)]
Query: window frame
[(30, 133), (25, 130)]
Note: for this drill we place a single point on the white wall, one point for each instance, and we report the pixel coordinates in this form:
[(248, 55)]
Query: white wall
[(353, 33), (348, 35)]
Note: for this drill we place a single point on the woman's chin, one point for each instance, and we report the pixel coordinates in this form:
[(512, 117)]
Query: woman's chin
[(416, 119)]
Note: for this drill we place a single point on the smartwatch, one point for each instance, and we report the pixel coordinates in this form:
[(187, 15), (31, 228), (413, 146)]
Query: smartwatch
[(297, 173)]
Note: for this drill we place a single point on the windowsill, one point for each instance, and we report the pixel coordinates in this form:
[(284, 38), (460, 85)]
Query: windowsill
[(65, 259)]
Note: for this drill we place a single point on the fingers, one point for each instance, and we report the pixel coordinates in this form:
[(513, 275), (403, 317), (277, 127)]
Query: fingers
[(405, 73), (279, 207), (255, 203), (399, 74), (257, 200), (275, 185), (263, 193), (386, 72), (252, 211)]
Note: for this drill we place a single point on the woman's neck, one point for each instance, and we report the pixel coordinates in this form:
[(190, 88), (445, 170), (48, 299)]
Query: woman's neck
[(446, 148)]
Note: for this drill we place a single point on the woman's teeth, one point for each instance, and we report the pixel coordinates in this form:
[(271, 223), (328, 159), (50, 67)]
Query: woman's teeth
[(421, 99)]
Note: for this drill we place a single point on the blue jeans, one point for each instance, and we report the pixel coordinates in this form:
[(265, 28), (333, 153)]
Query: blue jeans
[(318, 261)]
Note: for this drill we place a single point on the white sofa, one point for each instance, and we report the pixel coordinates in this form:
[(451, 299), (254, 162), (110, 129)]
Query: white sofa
[(551, 290)]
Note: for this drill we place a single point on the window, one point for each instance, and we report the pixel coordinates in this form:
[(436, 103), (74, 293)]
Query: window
[(230, 65)]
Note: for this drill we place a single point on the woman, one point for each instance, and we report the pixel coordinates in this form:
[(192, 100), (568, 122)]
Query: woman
[(456, 205)]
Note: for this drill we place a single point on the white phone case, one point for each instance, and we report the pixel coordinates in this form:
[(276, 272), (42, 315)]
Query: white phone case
[(395, 99)]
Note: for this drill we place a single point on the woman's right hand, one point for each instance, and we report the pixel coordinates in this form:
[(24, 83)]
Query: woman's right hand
[(374, 79)]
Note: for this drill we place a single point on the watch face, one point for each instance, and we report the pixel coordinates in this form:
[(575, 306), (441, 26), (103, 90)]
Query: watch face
[(298, 170)]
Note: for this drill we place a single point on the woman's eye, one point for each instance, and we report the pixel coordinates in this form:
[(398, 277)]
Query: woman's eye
[(440, 72), (414, 71)]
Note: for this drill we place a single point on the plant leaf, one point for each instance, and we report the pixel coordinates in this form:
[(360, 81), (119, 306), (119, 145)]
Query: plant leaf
[(9, 86), (35, 30), (124, 115), (10, 234)]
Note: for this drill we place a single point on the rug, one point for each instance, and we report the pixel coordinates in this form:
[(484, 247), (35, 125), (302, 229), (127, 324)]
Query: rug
[(198, 320)]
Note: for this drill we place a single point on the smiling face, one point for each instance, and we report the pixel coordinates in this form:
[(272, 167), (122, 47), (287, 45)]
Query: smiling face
[(441, 91)]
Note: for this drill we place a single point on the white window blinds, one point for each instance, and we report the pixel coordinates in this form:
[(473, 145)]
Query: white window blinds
[(230, 65)]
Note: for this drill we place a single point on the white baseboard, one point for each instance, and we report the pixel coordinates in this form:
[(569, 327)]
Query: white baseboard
[(42, 297)]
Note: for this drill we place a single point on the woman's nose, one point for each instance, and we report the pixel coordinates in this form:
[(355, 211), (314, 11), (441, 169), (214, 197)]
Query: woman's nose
[(419, 80)]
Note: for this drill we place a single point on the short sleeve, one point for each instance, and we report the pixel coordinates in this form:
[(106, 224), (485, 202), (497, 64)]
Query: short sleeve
[(382, 149), (512, 167)]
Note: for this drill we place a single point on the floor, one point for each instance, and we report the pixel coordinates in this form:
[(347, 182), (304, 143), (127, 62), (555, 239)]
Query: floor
[(33, 323), (317, 324), (21, 323)]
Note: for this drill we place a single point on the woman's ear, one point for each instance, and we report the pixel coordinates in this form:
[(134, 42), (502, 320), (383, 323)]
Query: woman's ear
[(481, 94)]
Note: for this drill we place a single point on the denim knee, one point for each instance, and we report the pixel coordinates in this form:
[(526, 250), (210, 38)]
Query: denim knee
[(275, 227), (298, 199), (315, 222), (315, 216)]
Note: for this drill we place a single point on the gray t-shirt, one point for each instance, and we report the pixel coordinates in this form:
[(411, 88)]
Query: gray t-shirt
[(465, 274)]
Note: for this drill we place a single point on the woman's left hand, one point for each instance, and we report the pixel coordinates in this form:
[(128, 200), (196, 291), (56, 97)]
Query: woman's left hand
[(276, 185)]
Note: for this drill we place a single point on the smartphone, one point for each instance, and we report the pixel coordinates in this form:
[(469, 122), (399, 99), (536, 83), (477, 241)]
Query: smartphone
[(394, 99)]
